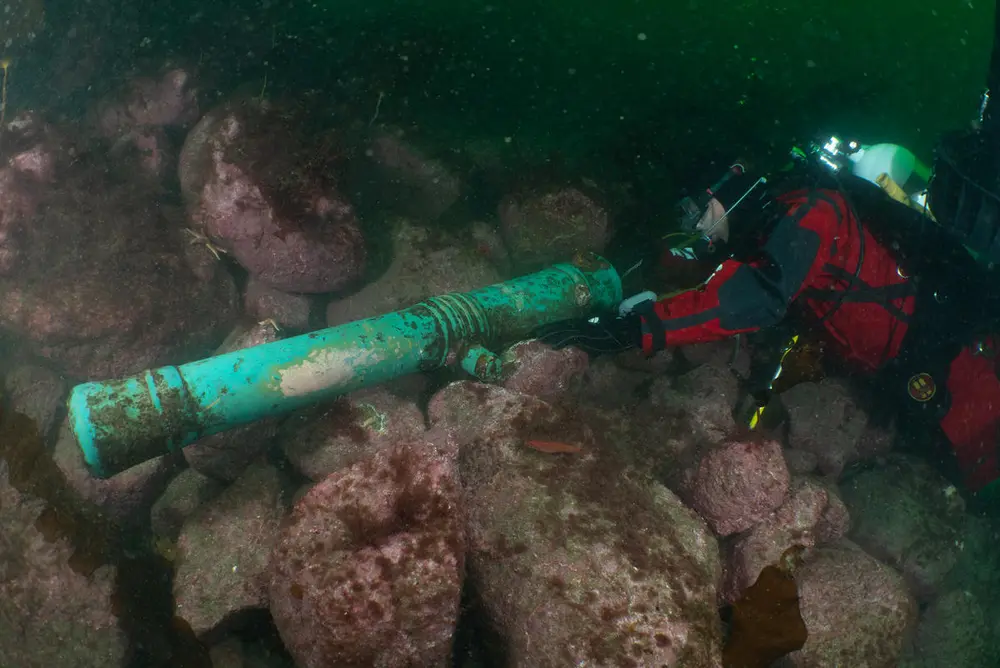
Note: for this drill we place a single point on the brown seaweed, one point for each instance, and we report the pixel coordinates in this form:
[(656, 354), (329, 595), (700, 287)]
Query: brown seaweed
[(766, 623)]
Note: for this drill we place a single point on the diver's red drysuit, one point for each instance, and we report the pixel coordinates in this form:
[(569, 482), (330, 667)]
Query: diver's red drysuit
[(811, 260)]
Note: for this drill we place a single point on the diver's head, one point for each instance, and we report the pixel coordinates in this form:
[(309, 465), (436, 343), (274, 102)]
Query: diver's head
[(714, 223)]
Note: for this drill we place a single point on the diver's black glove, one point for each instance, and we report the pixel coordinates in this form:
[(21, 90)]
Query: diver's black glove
[(597, 336)]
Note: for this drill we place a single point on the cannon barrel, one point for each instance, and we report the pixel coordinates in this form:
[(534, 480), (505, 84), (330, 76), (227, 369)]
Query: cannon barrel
[(124, 422)]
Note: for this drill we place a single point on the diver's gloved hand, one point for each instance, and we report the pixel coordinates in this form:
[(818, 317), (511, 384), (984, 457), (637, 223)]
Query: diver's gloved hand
[(597, 336)]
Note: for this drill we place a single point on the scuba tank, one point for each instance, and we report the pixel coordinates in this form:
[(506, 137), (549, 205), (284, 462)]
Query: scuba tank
[(885, 164)]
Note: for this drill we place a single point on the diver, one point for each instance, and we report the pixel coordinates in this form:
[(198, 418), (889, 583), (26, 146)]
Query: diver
[(896, 278), (897, 273)]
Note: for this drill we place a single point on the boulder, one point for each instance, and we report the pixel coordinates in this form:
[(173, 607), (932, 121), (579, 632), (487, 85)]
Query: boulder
[(91, 276), (287, 310), (396, 175), (905, 514), (264, 192), (531, 367), (37, 392), (858, 611), (678, 419), (800, 462), (146, 152), (825, 419), (423, 264), (812, 515), (576, 558), (125, 498), (609, 384), (369, 568), (738, 484), (187, 492), (956, 630), (224, 548), (57, 587), (167, 98), (488, 243), (333, 436), (541, 229)]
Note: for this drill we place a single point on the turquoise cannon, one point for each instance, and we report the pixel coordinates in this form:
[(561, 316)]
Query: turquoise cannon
[(121, 423)]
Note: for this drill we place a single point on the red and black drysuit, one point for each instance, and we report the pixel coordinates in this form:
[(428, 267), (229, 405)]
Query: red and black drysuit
[(810, 262)]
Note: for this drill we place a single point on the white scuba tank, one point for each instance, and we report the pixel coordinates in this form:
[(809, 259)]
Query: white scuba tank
[(869, 162)]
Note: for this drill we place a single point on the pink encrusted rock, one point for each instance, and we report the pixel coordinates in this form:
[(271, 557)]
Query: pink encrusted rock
[(91, 307), (739, 484), (577, 558), (401, 177), (800, 462), (813, 515), (147, 152), (38, 393), (857, 611), (52, 613), (824, 419), (225, 546), (265, 193), (334, 436), (906, 514), (550, 227), (472, 410), (424, 264), (672, 421), (288, 310), (369, 567), (534, 368), (166, 99)]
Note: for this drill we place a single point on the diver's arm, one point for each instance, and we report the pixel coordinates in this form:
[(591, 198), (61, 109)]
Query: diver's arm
[(731, 301), (738, 297)]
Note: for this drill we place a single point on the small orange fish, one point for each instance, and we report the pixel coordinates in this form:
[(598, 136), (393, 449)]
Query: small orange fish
[(553, 447)]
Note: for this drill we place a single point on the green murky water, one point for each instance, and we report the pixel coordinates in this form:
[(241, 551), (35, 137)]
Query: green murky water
[(634, 90)]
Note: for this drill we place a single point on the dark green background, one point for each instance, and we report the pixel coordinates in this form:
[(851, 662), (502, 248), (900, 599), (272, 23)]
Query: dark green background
[(572, 80)]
